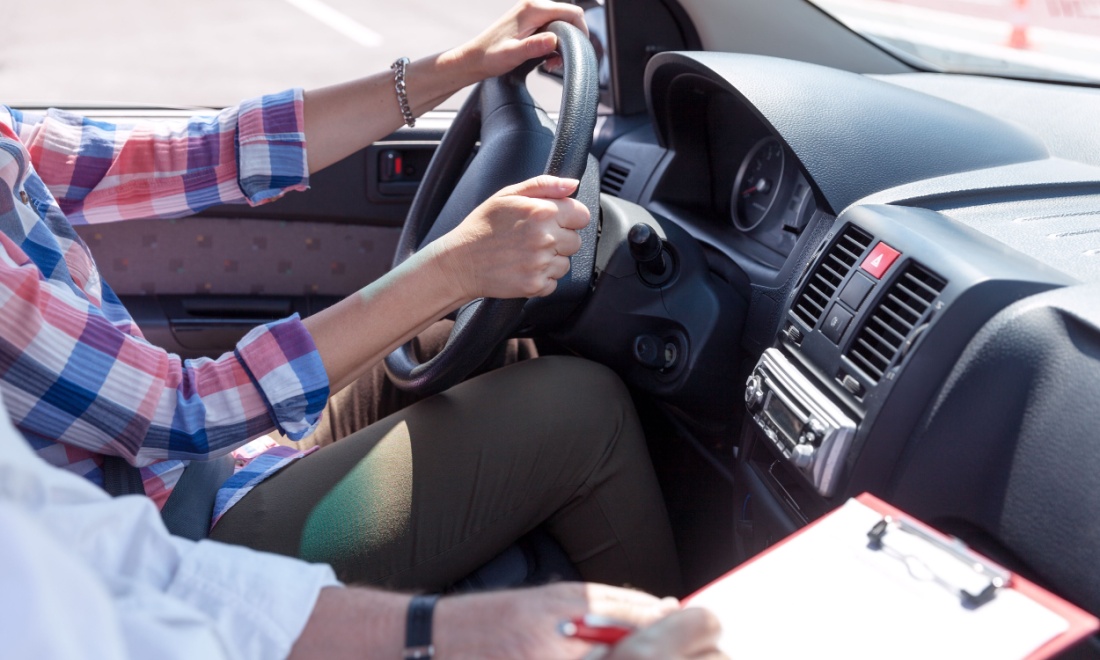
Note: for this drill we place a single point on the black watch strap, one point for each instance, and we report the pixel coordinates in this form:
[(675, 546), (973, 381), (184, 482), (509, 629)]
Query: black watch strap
[(418, 627)]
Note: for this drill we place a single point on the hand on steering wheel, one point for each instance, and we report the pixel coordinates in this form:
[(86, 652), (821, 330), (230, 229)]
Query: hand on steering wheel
[(517, 37), (517, 244), (518, 142)]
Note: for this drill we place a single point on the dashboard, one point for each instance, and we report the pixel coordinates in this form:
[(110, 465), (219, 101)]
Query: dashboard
[(920, 267)]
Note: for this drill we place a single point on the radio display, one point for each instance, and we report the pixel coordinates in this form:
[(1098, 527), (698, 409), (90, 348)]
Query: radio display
[(789, 424)]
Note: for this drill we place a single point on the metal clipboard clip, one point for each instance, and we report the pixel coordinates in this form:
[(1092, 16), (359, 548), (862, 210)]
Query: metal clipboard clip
[(993, 577)]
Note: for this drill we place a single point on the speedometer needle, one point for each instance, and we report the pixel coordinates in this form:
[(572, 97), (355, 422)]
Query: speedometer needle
[(762, 186)]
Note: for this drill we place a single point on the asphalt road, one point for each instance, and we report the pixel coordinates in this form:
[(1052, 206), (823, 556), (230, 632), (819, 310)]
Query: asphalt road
[(216, 52)]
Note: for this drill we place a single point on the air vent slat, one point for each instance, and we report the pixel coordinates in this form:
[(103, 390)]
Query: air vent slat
[(910, 293), (890, 329), (868, 367), (879, 357), (808, 313), (852, 257), (930, 292), (839, 257), (859, 242), (614, 178), (893, 321), (882, 346), (818, 291), (831, 269), (899, 304), (815, 308)]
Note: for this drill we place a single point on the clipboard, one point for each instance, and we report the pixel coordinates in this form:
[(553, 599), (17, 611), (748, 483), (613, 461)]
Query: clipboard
[(869, 581)]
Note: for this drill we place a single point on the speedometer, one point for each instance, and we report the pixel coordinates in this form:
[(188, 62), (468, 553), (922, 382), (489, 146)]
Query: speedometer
[(757, 183)]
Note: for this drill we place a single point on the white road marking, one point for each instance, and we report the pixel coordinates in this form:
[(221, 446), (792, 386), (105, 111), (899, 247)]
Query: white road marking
[(339, 21)]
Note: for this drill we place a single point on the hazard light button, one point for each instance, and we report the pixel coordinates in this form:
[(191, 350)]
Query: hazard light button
[(880, 260)]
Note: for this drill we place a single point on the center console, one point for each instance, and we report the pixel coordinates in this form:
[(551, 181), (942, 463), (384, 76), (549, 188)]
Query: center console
[(871, 330)]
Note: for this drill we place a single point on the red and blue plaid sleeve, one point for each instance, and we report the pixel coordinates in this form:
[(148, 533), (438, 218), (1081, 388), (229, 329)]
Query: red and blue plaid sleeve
[(104, 172), (69, 373)]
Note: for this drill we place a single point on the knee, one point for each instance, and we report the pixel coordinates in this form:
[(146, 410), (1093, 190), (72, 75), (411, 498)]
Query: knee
[(575, 406), (590, 398), (579, 383)]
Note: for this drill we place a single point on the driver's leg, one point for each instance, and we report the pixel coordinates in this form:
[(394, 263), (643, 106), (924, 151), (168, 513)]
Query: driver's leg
[(425, 496), (373, 396)]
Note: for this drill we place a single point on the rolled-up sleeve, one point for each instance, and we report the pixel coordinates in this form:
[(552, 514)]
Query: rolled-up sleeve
[(283, 361), (271, 146), (104, 172), (67, 371)]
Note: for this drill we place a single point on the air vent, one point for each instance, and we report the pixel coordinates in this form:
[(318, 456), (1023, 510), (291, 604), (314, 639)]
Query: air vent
[(895, 318), (829, 273), (613, 179)]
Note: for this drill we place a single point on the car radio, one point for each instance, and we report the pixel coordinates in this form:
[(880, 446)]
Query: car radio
[(810, 431)]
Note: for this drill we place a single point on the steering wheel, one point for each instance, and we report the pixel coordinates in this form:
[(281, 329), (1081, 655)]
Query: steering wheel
[(518, 141)]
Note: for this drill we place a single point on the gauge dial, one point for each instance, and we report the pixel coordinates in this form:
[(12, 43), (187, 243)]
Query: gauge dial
[(757, 183)]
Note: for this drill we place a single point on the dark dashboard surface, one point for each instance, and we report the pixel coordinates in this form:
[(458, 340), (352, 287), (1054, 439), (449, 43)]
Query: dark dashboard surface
[(856, 139), (985, 196)]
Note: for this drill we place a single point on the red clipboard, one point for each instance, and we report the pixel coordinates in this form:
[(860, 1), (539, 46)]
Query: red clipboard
[(738, 583)]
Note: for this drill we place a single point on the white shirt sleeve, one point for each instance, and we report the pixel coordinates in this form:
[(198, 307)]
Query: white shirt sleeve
[(86, 575)]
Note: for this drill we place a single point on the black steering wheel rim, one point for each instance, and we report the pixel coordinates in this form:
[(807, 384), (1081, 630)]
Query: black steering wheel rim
[(515, 134)]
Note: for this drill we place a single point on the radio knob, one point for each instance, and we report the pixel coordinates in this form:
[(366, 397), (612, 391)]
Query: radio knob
[(793, 335), (754, 395), (816, 429), (802, 456)]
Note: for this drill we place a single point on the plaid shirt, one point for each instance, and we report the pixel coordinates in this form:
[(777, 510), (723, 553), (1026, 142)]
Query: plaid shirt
[(77, 376)]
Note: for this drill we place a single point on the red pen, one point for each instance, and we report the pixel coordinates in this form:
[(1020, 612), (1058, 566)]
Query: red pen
[(596, 629)]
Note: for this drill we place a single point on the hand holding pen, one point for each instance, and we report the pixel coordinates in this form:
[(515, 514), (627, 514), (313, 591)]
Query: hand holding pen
[(690, 633)]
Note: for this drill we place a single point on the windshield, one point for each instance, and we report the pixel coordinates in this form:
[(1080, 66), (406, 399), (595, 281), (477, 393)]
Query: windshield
[(1043, 39), (215, 53)]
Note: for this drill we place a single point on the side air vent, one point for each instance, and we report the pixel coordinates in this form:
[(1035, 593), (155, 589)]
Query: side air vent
[(613, 179), (895, 319), (829, 272)]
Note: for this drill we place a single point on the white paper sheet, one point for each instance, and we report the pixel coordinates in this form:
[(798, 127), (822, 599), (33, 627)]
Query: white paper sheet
[(826, 594)]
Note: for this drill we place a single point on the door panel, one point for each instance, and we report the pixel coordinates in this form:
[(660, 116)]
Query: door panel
[(195, 285), (225, 256)]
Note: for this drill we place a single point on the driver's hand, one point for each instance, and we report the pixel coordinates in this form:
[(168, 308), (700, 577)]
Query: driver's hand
[(514, 39), (517, 244)]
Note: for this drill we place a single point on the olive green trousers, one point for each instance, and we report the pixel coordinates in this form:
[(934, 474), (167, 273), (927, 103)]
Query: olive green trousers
[(422, 497)]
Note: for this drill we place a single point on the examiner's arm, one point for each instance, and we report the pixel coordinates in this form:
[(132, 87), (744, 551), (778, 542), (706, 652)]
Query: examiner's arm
[(87, 575)]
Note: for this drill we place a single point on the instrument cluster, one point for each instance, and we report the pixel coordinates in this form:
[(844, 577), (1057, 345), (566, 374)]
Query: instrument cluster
[(771, 200)]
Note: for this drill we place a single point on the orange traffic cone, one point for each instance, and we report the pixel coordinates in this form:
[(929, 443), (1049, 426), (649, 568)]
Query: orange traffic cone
[(1020, 19)]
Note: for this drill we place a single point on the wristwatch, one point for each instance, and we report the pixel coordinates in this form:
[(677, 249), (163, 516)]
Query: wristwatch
[(418, 627)]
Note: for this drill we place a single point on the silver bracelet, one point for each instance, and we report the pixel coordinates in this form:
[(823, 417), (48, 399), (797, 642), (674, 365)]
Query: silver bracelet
[(399, 86)]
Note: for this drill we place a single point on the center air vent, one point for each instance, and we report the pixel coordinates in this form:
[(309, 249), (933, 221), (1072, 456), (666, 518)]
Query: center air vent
[(830, 271), (614, 177), (895, 320)]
